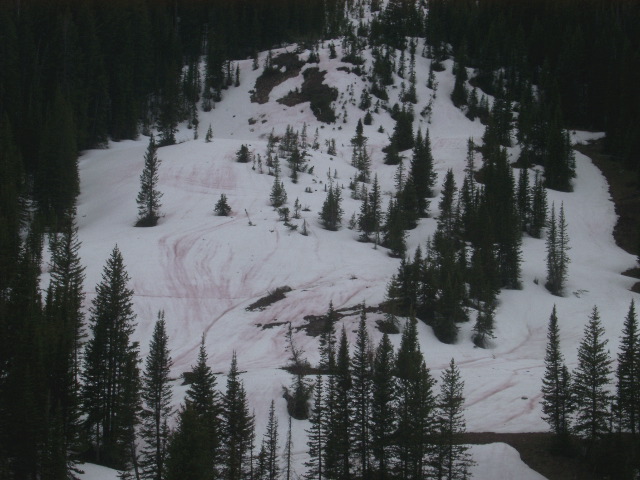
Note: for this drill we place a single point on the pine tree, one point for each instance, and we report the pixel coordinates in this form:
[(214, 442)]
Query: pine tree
[(338, 454), (538, 208), (327, 342), (556, 384), (483, 329), (628, 375), (195, 446), (65, 332), (590, 381), (278, 195), (452, 460), (156, 397), (111, 377), (237, 426), (416, 403), (148, 196), (209, 136), (361, 399), (557, 247), (331, 213), (270, 446), (383, 408), (222, 207), (317, 434)]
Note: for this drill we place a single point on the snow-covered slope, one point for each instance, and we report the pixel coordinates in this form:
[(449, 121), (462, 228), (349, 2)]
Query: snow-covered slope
[(204, 270)]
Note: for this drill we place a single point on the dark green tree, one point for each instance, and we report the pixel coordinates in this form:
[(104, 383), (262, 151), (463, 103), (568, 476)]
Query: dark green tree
[(557, 247), (222, 207), (483, 328), (590, 382), (452, 459), (361, 399), (557, 403), (331, 213), (339, 461), (111, 383), (416, 405), (628, 375), (237, 427), (149, 196), (383, 408), (65, 331), (156, 406), (317, 435), (195, 445), (270, 446)]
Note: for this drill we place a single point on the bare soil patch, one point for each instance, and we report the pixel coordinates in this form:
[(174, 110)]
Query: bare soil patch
[(285, 66), (317, 93)]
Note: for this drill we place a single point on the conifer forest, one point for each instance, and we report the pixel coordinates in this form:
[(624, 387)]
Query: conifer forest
[(319, 239)]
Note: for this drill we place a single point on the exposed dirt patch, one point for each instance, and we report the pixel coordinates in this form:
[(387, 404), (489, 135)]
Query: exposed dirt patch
[(270, 298), (285, 66), (625, 192), (316, 324), (317, 93)]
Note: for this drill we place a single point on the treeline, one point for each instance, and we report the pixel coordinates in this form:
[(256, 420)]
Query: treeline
[(581, 55)]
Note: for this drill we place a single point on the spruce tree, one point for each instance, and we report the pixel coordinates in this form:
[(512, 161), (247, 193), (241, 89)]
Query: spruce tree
[(327, 342), (452, 460), (338, 463), (195, 446), (156, 409), (316, 434), (148, 196), (416, 403), (331, 213), (628, 375), (65, 331), (557, 247), (222, 207), (111, 382), (237, 427), (590, 382), (556, 387), (270, 446), (383, 408), (483, 328), (361, 399)]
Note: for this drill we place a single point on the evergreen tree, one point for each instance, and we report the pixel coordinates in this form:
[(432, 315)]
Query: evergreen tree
[(590, 381), (361, 399), (538, 208), (111, 382), (156, 410), (556, 387), (628, 375), (148, 196), (195, 445), (209, 136), (327, 341), (416, 403), (394, 236), (270, 446), (317, 435), (65, 332), (422, 172), (222, 207), (557, 247), (338, 457), (237, 426), (452, 460), (278, 195), (383, 408), (331, 213), (483, 329)]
